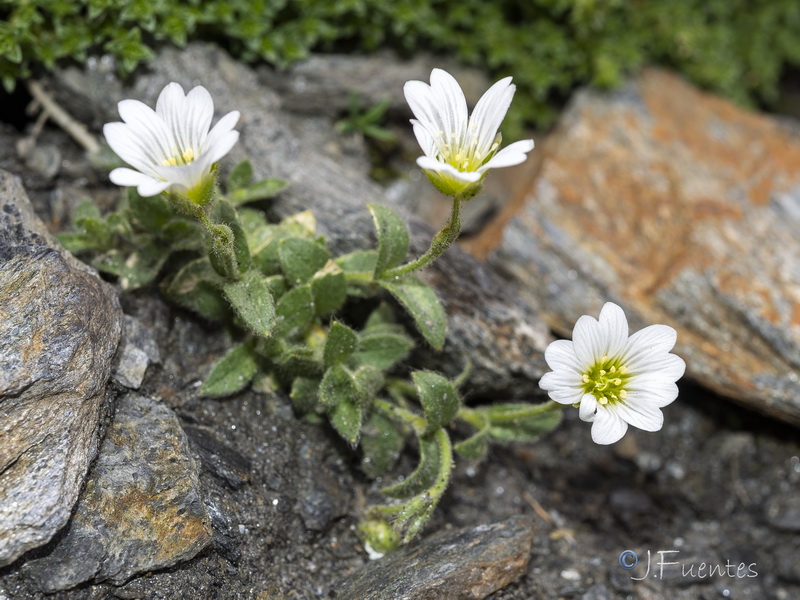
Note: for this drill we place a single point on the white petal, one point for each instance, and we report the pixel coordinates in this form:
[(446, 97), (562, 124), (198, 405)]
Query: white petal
[(641, 413), (667, 366), (420, 100), (509, 156), (588, 408), (149, 128), (222, 137), (424, 138), (450, 102), (566, 395), (588, 340), (431, 164), (608, 426), (654, 339), (560, 354), (146, 186), (129, 147), (657, 392), (187, 117), (490, 111), (614, 325), (561, 379)]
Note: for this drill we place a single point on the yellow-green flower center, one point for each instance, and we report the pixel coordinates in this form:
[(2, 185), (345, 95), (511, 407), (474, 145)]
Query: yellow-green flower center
[(606, 380), (462, 152), (180, 158)]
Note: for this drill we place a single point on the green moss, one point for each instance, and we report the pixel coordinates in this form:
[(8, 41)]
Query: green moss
[(735, 47)]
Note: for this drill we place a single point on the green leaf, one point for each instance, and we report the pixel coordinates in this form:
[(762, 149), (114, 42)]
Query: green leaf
[(142, 266), (369, 381), (341, 343), (76, 242), (360, 261), (197, 287), (423, 305), (301, 258), (261, 190), (383, 350), (86, 209), (476, 446), (305, 394), (381, 442), (329, 287), (338, 385), (252, 301), (150, 213), (521, 422), (240, 177), (424, 475), (346, 417), (299, 361), (392, 238), (295, 311), (231, 373), (438, 397)]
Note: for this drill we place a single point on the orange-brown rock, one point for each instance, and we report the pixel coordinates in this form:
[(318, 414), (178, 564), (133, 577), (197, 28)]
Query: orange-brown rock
[(685, 210)]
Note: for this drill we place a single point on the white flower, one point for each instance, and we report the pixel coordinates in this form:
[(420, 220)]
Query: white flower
[(617, 380), (460, 150), (171, 148)]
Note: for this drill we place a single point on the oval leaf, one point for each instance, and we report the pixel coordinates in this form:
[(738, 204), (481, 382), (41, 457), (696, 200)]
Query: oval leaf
[(340, 344), (252, 301), (301, 258), (392, 238), (231, 373), (424, 307), (521, 422), (438, 397)]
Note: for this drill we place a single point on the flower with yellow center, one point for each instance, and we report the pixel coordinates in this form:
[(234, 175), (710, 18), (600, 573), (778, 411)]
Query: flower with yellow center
[(171, 148), (459, 150), (616, 380)]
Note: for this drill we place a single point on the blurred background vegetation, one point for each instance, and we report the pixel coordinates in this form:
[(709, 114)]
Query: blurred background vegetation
[(738, 48)]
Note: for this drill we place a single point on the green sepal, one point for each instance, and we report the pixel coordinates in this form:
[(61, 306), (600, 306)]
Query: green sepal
[(295, 310), (382, 440), (329, 287), (196, 287), (521, 422), (340, 344), (223, 212), (301, 258), (252, 301), (392, 237), (240, 176), (423, 305), (424, 475), (383, 350), (439, 398), (305, 394), (231, 373)]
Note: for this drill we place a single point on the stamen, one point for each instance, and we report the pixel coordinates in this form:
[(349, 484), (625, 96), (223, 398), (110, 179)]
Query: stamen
[(623, 394)]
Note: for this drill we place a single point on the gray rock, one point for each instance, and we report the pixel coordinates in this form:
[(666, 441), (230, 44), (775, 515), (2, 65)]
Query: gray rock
[(783, 511), (140, 510), (472, 562), (683, 209), (322, 84), (59, 329), (501, 334), (136, 351)]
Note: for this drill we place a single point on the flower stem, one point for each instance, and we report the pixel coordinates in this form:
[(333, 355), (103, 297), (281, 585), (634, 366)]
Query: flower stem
[(440, 242)]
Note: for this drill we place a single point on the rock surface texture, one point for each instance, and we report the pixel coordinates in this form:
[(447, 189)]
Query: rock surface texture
[(141, 508), (59, 330), (472, 562), (685, 210)]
